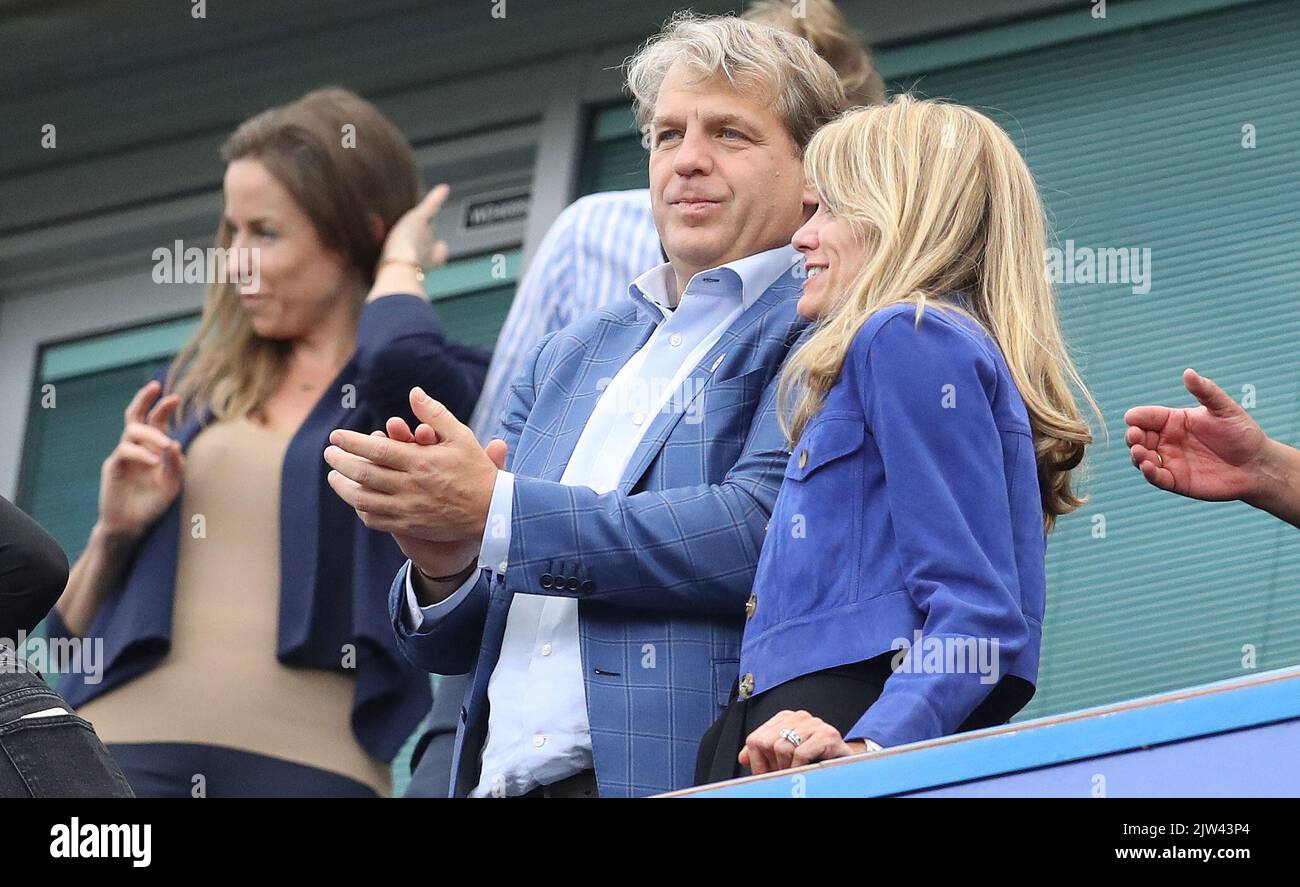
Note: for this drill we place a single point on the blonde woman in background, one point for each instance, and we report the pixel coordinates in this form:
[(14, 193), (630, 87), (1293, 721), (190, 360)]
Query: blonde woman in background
[(933, 431)]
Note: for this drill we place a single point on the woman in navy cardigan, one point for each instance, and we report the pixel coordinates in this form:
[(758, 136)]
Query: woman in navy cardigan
[(241, 606), (900, 591)]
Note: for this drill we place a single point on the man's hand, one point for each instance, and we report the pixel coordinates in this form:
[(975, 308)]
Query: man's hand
[(435, 487), (1215, 451), (432, 558)]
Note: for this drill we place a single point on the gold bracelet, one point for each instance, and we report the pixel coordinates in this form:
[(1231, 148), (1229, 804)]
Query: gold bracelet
[(419, 269)]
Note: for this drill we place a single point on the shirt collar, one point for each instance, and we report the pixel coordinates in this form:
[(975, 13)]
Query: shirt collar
[(750, 276)]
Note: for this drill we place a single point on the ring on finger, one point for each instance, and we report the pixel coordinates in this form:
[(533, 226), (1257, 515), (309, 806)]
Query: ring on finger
[(791, 736)]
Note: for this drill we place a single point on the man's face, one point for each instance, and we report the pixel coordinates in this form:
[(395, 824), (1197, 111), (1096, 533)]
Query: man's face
[(725, 180)]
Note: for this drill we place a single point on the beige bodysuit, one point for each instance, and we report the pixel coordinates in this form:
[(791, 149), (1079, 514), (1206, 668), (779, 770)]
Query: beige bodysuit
[(221, 683)]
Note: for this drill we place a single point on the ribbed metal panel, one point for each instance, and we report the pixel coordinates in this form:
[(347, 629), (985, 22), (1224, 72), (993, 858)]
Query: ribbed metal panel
[(1136, 140)]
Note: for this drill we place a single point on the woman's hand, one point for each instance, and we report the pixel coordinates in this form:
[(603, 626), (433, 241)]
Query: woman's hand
[(410, 244), (767, 750), (143, 474)]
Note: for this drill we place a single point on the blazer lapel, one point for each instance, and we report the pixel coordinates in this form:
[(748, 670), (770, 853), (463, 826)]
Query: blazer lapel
[(616, 340), (725, 359)]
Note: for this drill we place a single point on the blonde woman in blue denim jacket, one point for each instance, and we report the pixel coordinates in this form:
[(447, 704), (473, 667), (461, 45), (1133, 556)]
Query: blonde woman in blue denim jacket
[(933, 430)]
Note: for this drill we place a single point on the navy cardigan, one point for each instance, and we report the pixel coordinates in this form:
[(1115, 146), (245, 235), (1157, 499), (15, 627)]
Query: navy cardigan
[(334, 572)]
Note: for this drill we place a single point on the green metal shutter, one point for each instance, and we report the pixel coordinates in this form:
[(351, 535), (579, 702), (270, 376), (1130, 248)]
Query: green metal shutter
[(613, 158), (1136, 141), (74, 420), (66, 443), (472, 295), (476, 318)]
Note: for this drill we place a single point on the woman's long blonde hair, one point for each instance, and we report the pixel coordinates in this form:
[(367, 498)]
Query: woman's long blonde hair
[(226, 367), (946, 204)]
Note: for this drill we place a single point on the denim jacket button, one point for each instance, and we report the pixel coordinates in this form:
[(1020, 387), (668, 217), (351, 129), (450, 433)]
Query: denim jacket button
[(750, 605)]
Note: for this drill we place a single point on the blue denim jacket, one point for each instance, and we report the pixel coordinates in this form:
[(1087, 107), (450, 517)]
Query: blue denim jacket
[(909, 517)]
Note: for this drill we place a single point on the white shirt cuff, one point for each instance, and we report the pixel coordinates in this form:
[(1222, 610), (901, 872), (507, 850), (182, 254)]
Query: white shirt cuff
[(416, 615), (495, 547)]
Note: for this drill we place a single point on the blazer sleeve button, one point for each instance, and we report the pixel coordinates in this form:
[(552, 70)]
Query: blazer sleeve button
[(547, 580)]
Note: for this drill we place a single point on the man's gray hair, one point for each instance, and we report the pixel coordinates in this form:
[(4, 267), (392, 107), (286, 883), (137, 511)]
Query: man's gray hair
[(757, 60)]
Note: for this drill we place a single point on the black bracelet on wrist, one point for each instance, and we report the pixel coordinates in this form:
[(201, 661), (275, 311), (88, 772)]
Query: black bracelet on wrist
[(462, 575)]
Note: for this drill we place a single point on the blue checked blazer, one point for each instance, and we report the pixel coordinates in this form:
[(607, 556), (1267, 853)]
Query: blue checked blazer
[(661, 567)]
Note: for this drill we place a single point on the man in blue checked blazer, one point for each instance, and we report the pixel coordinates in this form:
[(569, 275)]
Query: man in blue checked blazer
[(590, 569)]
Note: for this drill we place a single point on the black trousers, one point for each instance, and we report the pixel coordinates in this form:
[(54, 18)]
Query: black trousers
[(33, 571), (170, 770), (839, 696)]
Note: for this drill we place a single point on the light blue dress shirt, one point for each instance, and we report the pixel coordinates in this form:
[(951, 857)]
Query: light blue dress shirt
[(538, 731)]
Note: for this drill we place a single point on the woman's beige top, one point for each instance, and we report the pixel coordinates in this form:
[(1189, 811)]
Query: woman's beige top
[(221, 683)]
